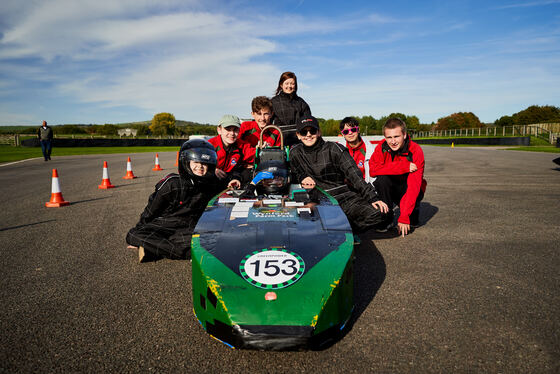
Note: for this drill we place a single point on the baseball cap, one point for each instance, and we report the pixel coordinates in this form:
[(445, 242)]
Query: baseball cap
[(307, 122), (229, 120)]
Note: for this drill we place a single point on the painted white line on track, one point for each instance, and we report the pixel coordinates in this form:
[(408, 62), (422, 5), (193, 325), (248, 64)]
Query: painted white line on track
[(17, 162)]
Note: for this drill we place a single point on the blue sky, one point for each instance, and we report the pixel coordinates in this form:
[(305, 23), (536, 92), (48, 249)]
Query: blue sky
[(97, 61)]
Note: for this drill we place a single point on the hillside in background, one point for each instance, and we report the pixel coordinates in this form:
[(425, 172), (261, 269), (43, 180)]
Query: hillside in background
[(25, 129)]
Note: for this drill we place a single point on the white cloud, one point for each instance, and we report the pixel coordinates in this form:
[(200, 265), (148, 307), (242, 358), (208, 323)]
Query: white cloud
[(180, 57), (529, 4)]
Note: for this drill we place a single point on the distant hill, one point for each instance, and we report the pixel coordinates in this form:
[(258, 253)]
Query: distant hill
[(33, 129)]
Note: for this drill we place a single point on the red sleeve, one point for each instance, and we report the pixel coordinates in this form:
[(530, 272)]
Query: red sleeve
[(248, 154), (414, 182), (381, 164), (245, 127)]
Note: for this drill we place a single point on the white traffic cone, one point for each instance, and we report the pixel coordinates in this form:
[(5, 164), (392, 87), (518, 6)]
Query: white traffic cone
[(56, 196)]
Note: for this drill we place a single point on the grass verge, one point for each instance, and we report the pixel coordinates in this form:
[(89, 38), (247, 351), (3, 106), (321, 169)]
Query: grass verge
[(549, 149), (10, 153)]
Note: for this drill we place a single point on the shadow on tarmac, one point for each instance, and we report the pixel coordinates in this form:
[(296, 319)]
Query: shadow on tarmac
[(369, 275), (88, 200), (370, 271), (427, 212), (26, 225)]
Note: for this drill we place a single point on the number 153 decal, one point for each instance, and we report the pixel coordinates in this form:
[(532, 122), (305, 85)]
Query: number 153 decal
[(272, 268)]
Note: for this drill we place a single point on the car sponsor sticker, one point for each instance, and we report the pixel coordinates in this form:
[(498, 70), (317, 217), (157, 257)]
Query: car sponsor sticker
[(272, 268)]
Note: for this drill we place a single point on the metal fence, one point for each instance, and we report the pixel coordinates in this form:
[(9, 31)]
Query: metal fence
[(541, 131)]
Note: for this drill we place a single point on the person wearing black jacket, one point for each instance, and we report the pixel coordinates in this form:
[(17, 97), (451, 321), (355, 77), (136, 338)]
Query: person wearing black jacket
[(329, 166), (167, 222), (45, 135), (288, 107)]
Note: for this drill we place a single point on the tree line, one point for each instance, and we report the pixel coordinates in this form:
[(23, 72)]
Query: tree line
[(165, 124)]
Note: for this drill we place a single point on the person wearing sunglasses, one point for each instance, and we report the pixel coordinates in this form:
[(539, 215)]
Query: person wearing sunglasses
[(328, 165), (398, 165), (359, 150)]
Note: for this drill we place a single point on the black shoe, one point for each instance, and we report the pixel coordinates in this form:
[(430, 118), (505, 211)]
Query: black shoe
[(385, 228)]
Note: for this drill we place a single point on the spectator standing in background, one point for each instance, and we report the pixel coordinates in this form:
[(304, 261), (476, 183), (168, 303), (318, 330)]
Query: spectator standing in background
[(45, 135)]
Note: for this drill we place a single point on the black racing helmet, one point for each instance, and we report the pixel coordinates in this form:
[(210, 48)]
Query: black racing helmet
[(281, 181), (198, 150)]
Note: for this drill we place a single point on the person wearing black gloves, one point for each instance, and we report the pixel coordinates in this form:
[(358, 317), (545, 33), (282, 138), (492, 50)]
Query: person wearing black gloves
[(288, 107), (168, 221), (329, 166)]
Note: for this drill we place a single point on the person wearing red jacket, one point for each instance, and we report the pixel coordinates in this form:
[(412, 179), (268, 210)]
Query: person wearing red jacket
[(235, 157), (250, 132), (359, 149), (398, 164)]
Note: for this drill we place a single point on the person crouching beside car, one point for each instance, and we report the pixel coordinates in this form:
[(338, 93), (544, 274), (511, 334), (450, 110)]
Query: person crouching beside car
[(328, 165), (168, 221), (398, 165)]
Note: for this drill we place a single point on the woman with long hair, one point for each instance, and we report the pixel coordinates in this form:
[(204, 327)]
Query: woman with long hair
[(288, 107)]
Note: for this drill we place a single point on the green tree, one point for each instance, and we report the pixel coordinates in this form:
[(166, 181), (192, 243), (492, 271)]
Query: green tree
[(537, 114), (459, 120), (504, 121), (367, 124), (163, 124), (141, 130)]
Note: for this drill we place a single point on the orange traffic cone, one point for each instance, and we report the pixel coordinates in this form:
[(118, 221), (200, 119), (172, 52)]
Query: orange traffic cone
[(56, 196), (177, 160), (157, 167), (106, 182), (129, 173)]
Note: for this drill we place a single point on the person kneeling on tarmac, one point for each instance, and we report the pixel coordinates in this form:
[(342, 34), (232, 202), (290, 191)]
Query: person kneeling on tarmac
[(328, 165), (168, 221)]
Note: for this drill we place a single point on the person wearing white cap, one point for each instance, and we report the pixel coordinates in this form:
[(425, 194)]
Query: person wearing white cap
[(235, 157)]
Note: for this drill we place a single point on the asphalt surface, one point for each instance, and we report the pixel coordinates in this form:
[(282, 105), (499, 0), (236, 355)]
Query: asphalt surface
[(475, 289)]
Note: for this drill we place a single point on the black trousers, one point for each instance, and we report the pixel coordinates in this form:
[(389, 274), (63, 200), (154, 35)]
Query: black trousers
[(391, 189), (361, 214), (161, 241)]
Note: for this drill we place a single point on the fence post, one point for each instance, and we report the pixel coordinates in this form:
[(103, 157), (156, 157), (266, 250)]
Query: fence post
[(504, 131)]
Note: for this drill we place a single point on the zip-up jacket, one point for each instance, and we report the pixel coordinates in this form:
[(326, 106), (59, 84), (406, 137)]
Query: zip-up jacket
[(361, 155), (234, 159), (179, 202), (332, 168), (288, 110), (387, 162), (250, 132), (45, 133)]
